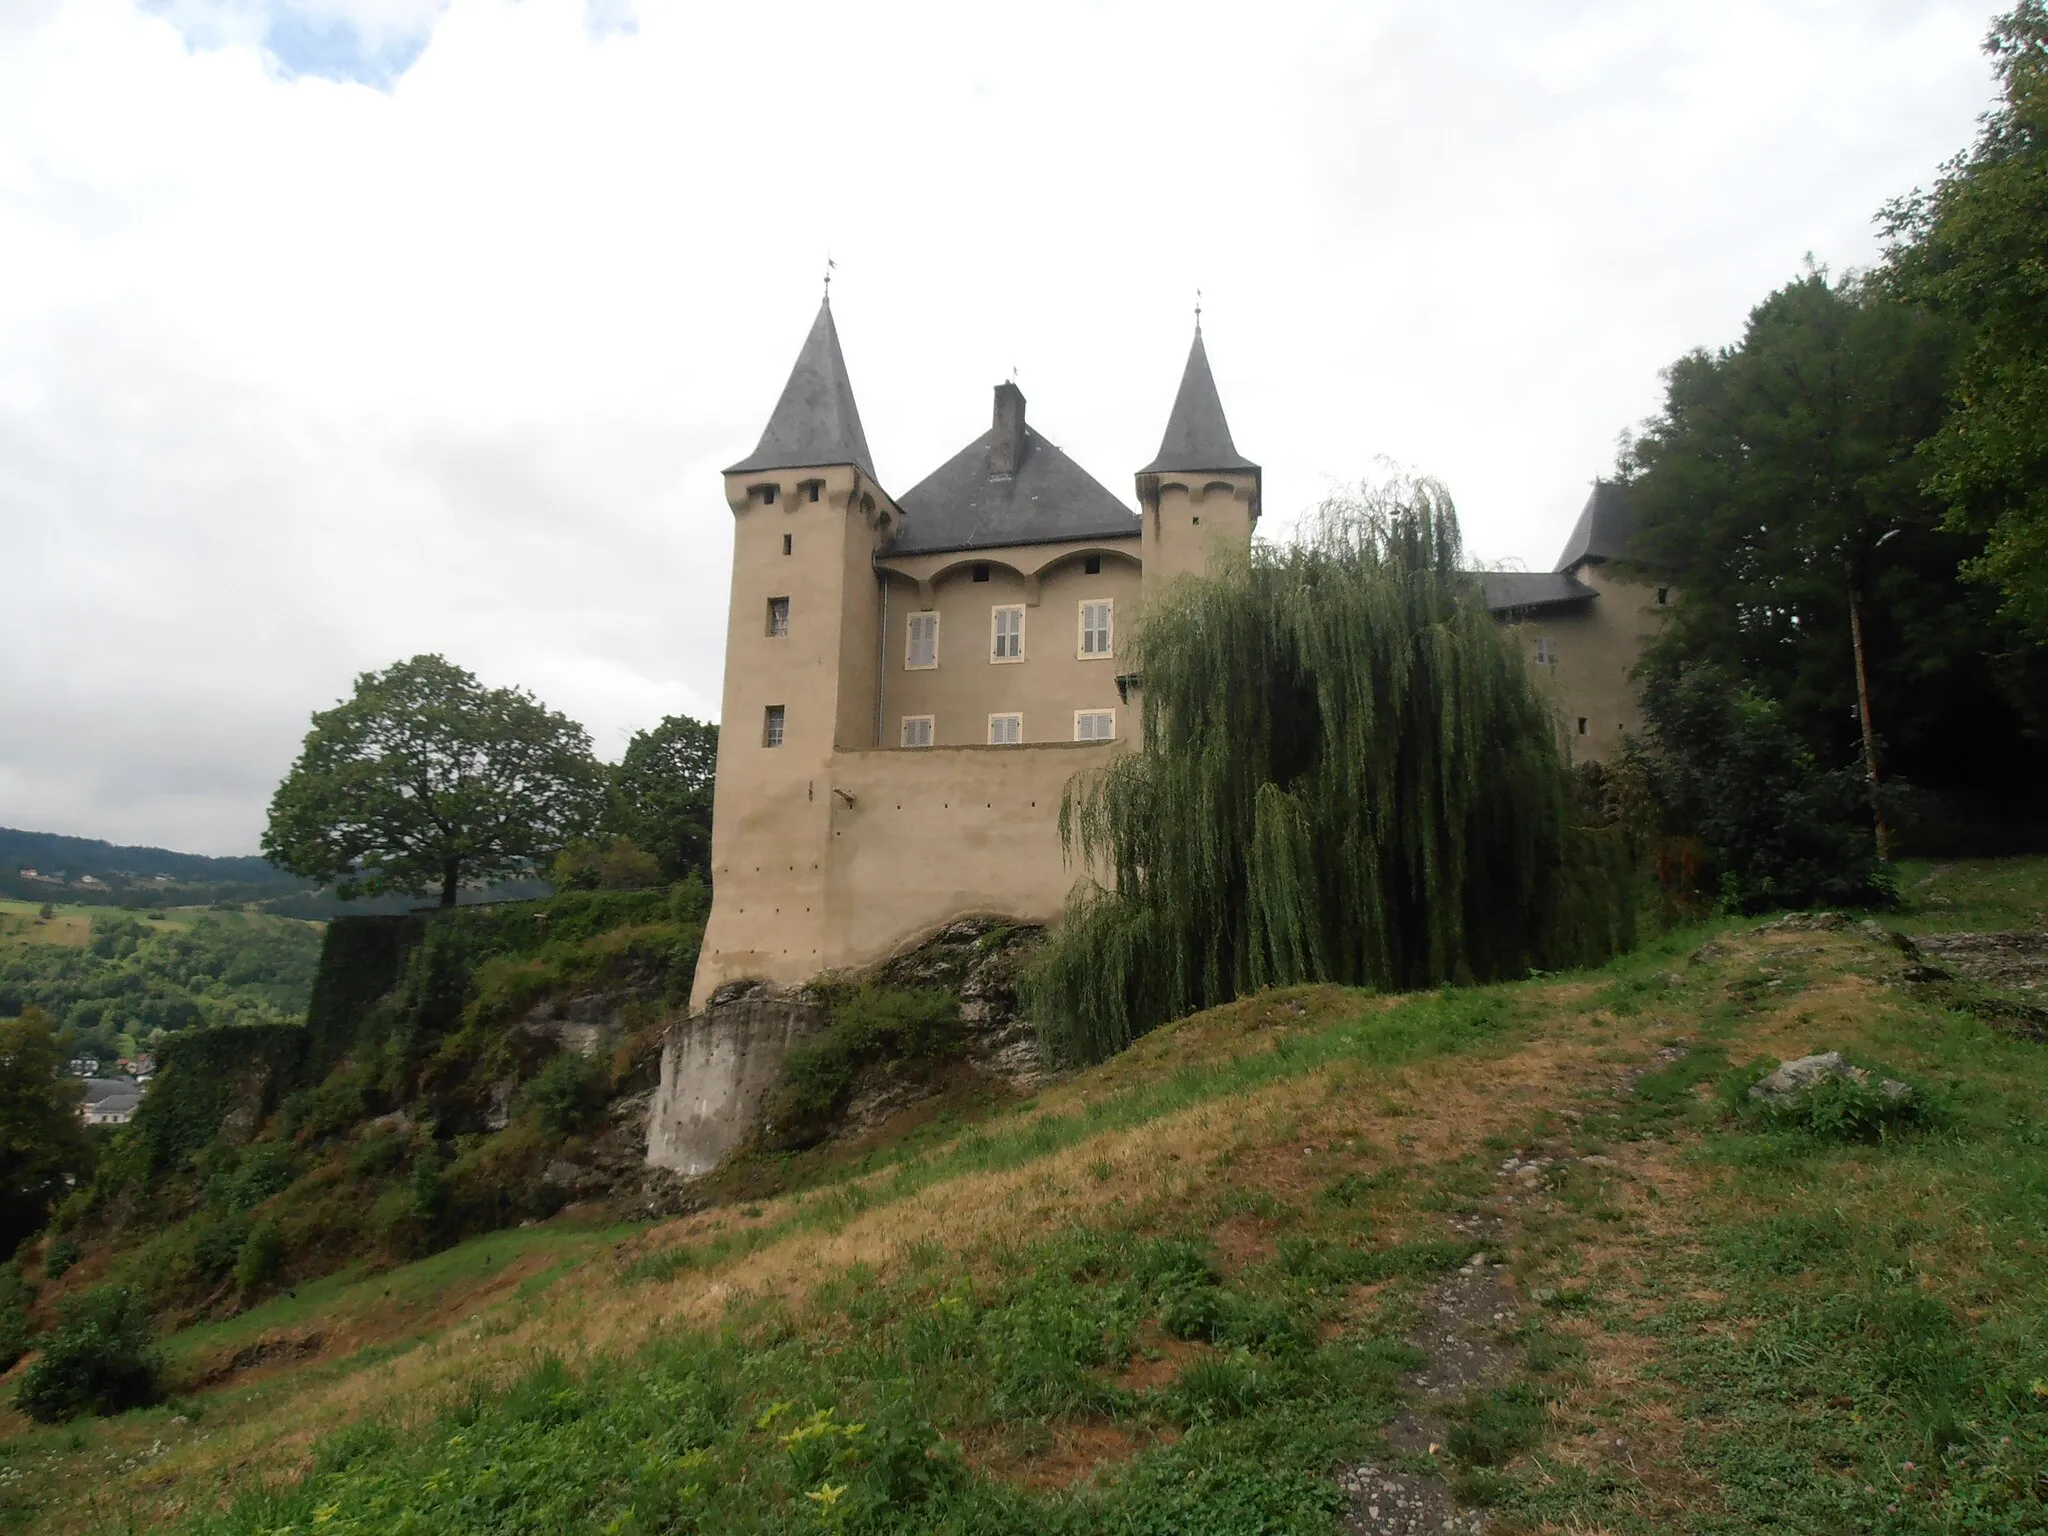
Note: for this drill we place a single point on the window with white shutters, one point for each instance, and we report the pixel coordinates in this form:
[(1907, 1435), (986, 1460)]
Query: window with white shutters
[(1096, 629), (1005, 730), (1007, 633), (921, 641), (1546, 651), (1094, 725), (917, 730)]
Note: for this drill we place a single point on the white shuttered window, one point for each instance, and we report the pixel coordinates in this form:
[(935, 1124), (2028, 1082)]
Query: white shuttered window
[(1096, 629), (1007, 638), (921, 641), (917, 730), (1005, 730), (1094, 725)]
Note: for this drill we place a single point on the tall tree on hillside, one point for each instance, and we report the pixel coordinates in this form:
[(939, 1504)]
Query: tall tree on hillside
[(424, 781), (1780, 489), (1347, 775), (41, 1140), (661, 793), (1976, 247)]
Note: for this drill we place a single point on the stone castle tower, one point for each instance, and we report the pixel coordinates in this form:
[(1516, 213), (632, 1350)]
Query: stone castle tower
[(911, 682)]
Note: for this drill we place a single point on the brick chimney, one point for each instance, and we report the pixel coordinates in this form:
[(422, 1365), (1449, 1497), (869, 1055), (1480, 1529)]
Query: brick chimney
[(1006, 448)]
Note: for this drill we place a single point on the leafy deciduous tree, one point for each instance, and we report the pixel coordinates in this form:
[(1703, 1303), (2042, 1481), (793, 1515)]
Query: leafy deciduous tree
[(41, 1139), (1976, 247), (1780, 489), (425, 780), (1347, 775), (661, 793)]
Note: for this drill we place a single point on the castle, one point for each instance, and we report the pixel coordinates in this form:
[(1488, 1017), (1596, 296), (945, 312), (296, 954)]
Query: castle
[(910, 682)]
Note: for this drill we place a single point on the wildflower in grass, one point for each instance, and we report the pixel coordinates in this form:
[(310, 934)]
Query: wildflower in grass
[(325, 1513), (826, 1497)]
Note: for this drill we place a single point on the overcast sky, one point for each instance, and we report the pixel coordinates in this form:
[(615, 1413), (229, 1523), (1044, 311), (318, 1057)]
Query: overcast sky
[(333, 331)]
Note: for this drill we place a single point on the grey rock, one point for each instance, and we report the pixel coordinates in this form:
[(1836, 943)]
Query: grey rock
[(1795, 1077)]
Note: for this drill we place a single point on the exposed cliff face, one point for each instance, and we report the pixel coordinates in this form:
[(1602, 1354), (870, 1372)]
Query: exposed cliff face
[(721, 1068), (718, 1069)]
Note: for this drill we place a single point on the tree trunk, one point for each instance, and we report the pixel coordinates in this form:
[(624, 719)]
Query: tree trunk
[(1884, 835), (451, 877)]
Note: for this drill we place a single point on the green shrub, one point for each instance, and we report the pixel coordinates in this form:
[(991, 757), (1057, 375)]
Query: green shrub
[(918, 1027), (102, 1359), (313, 1114), (16, 1331), (261, 1257), (217, 1244), (59, 1254), (566, 1094), (1847, 1109), (378, 1154), (265, 1169)]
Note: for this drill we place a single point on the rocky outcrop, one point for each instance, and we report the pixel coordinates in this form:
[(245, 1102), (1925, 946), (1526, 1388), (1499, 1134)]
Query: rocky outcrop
[(721, 1067), (718, 1068), (1795, 1077)]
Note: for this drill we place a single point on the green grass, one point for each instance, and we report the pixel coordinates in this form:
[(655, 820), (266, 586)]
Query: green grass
[(1783, 1327), (1971, 895)]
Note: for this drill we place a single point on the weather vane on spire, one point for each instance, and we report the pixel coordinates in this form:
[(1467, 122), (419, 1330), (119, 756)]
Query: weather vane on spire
[(1198, 309), (829, 265)]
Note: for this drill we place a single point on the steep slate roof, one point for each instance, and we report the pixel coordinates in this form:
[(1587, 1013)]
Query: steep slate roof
[(816, 422), (961, 505), (1197, 436), (1604, 528), (1531, 589)]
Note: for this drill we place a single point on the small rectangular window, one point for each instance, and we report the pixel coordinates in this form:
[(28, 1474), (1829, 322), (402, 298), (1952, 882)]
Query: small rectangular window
[(771, 726), (917, 730), (778, 616), (1094, 725), (981, 573), (1006, 642), (1582, 725), (1663, 594), (1097, 629), (815, 487), (1546, 651), (1092, 565), (786, 543), (1005, 730), (921, 641)]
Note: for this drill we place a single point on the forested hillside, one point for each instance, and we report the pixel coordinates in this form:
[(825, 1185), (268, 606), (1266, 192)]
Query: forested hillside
[(113, 982)]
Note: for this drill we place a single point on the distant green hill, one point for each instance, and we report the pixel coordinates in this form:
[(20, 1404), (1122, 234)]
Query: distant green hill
[(99, 873)]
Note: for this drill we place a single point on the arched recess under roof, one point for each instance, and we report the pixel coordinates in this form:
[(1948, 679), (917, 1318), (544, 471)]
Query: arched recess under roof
[(1029, 563)]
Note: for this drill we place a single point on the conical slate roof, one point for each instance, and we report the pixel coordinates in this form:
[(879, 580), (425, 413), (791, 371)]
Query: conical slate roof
[(816, 422), (1197, 436), (1603, 530)]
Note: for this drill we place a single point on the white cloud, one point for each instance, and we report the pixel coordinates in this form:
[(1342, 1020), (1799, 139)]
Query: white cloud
[(299, 375)]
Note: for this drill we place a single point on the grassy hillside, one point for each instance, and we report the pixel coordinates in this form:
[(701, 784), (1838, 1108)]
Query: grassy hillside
[(1526, 1250)]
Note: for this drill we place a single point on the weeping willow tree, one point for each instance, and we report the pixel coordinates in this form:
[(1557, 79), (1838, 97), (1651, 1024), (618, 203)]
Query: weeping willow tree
[(1346, 776)]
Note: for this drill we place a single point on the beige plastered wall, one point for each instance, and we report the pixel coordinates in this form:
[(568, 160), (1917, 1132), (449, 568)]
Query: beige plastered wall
[(1052, 681), (1193, 521), (770, 836), (1598, 646)]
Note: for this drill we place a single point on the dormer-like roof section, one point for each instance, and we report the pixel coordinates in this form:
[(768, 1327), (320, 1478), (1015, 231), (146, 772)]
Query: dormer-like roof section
[(972, 502), (1604, 529), (816, 422), (1197, 436)]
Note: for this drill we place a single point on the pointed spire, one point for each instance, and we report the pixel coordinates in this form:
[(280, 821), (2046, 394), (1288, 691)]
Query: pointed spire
[(1197, 436), (816, 422)]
